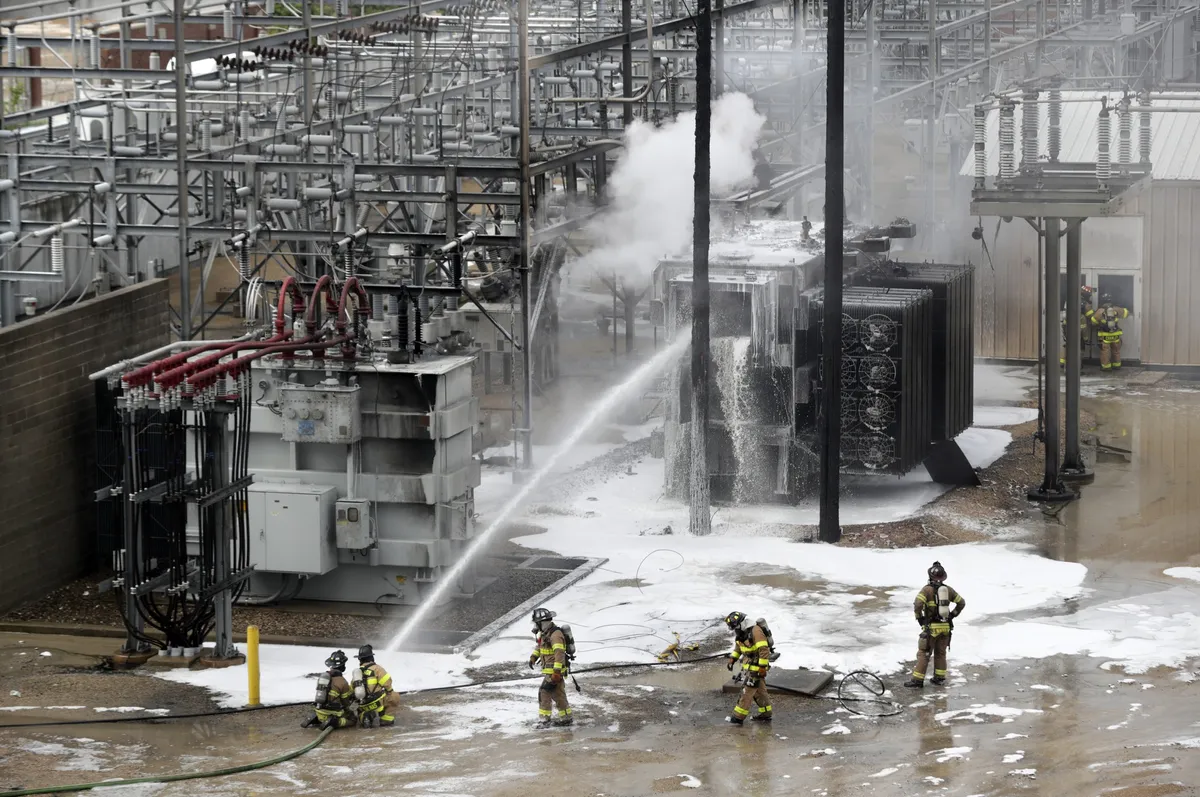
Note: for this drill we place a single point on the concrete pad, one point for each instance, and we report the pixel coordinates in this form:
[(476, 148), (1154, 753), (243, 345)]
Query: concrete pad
[(806, 683), (208, 662), (181, 662)]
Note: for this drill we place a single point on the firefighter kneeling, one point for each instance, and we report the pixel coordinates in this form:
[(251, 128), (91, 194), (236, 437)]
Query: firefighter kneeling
[(752, 645), (333, 703), (377, 699)]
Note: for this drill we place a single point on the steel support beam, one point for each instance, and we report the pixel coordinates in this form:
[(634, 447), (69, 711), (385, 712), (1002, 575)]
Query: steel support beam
[(1073, 468), (1052, 487)]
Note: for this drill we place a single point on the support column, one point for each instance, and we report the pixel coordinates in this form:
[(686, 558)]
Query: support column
[(700, 520), (627, 62), (1073, 469), (829, 419), (134, 624), (181, 127), (718, 49), (525, 232), (1052, 488)]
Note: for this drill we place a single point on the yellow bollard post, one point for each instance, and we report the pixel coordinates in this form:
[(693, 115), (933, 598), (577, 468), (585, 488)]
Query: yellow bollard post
[(252, 663)]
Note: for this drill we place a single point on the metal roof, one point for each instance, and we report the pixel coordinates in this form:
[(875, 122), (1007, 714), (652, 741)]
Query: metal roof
[(1174, 154)]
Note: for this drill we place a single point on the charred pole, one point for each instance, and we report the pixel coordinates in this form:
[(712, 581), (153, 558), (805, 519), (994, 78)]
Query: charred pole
[(830, 529), (700, 521)]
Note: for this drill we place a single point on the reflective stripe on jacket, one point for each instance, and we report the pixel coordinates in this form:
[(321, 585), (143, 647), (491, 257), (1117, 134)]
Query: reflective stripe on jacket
[(753, 651), (926, 608), (553, 652)]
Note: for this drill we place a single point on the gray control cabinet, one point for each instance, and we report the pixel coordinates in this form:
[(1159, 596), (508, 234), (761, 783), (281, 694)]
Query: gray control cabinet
[(321, 413), (353, 524), (291, 528)]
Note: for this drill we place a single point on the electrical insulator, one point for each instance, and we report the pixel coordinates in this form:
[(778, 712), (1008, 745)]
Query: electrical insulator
[(1029, 130), (343, 8), (151, 27), (227, 22), (244, 263), (244, 124), (205, 135), (980, 145), (270, 8), (155, 61), (1103, 136), (1007, 140), (1125, 144), (94, 47), (1055, 134), (12, 47), (56, 254), (1144, 131), (348, 263)]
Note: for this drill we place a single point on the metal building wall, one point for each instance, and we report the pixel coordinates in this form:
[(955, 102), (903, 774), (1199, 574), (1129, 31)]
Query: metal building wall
[(1006, 324), (1171, 275)]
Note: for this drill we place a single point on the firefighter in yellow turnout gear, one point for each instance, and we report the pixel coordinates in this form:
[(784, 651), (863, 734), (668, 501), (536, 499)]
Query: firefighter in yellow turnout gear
[(550, 647), (377, 697), (936, 606), (752, 648), (1085, 327), (333, 705), (1108, 318)]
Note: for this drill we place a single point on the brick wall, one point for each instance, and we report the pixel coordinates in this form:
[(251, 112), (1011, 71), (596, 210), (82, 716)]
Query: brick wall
[(47, 420)]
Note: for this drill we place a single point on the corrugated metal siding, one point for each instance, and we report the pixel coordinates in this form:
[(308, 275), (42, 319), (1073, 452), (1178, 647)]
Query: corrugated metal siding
[(1170, 283), (1173, 151), (1169, 315)]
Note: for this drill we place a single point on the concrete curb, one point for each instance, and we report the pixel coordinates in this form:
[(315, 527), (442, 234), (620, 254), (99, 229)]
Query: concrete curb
[(508, 618)]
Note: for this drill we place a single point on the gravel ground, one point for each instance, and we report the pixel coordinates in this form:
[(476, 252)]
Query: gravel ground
[(970, 514)]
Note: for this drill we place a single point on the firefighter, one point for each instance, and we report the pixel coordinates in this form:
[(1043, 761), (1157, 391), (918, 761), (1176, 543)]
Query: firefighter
[(1085, 308), (333, 706), (752, 648), (377, 698), (550, 646), (1108, 318), (936, 606)]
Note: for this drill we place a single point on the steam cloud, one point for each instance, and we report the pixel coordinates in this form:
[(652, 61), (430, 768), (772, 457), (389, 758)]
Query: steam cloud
[(651, 188)]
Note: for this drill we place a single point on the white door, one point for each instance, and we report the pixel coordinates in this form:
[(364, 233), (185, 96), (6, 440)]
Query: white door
[(1125, 288)]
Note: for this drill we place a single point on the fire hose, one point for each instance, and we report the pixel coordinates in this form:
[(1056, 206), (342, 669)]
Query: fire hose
[(215, 773)]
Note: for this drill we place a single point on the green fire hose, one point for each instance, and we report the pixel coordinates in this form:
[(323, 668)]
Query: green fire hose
[(216, 773)]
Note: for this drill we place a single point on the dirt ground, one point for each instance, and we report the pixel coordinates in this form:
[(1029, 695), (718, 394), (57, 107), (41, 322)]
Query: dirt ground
[(970, 514)]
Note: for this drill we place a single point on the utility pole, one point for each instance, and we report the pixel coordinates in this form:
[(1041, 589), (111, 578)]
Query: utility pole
[(830, 420), (524, 232), (181, 128), (700, 521)]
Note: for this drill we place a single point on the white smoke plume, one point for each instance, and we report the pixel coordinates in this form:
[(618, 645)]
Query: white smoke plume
[(651, 189)]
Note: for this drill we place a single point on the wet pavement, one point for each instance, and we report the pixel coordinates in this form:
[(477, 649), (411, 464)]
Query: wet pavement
[(1061, 725)]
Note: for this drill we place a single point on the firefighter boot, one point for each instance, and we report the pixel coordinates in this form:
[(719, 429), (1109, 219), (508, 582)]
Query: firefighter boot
[(734, 720), (938, 680), (564, 721), (762, 716), (915, 683), (310, 722)]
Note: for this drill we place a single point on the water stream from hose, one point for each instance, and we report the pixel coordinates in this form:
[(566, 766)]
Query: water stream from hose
[(601, 410)]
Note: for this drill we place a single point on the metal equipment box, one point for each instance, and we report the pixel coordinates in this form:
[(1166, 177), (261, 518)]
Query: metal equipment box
[(291, 528), (353, 525), (322, 413)]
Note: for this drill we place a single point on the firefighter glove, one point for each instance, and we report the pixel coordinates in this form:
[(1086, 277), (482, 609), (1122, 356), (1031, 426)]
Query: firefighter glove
[(329, 723), (729, 664), (556, 678), (533, 661)]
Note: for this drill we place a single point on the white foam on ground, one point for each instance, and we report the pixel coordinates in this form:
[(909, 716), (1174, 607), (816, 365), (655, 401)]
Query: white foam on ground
[(1004, 416), (1189, 573)]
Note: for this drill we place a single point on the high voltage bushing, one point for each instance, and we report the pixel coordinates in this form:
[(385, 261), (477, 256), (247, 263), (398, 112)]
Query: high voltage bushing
[(1029, 131), (239, 65), (1054, 137), (1144, 130), (1007, 139), (1125, 131), (407, 24), (980, 146), (1103, 136)]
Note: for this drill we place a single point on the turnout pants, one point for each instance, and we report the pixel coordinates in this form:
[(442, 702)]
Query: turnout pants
[(554, 694), (935, 644), (751, 696), (1110, 350)]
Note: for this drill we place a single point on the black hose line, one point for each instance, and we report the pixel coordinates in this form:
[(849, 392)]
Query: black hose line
[(512, 679)]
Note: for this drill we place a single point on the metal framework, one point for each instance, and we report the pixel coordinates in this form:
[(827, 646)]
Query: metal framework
[(333, 140)]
